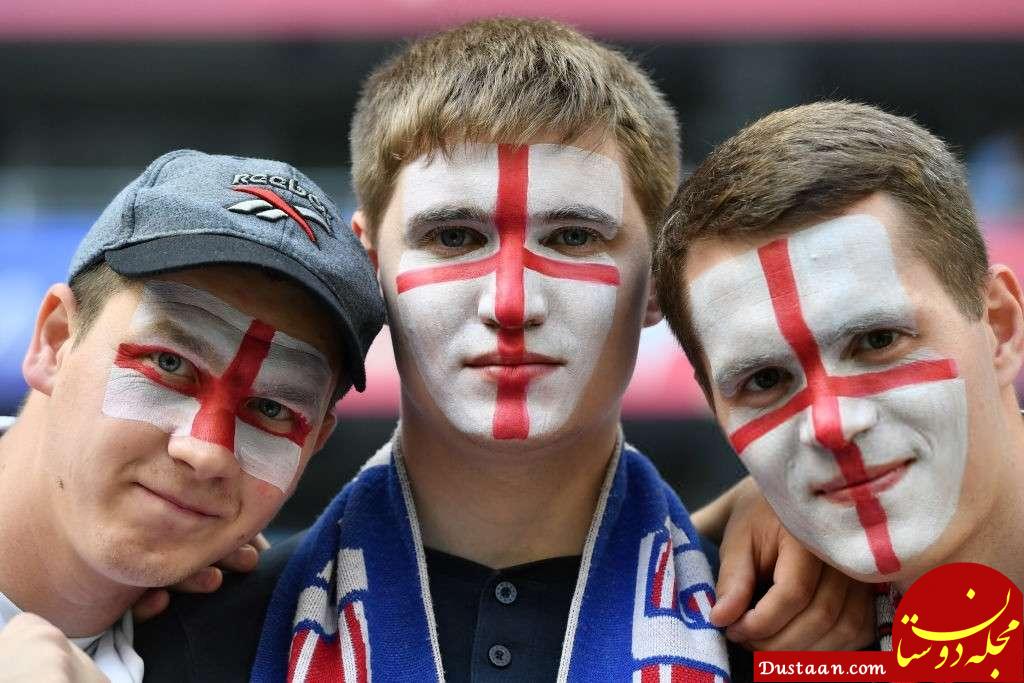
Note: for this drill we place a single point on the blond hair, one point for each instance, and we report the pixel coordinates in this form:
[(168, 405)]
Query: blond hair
[(509, 80)]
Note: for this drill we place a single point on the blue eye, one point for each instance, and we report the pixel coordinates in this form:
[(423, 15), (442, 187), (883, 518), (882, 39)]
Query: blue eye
[(446, 240), (270, 409), (574, 237), (453, 238), (169, 362), (575, 240)]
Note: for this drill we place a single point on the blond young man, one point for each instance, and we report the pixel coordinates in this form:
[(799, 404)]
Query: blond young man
[(509, 174), (511, 234), (825, 274)]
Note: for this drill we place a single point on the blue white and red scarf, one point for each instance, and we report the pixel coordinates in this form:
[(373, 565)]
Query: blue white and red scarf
[(887, 599), (354, 603)]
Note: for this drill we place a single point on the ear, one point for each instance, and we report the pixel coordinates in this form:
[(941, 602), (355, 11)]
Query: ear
[(326, 429), (359, 227), (51, 338), (1004, 314), (652, 312)]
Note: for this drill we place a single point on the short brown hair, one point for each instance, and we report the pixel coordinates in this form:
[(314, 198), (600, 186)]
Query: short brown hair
[(812, 162), (92, 287), (507, 80)]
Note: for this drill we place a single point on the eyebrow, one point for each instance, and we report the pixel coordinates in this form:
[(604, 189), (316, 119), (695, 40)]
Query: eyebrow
[(448, 214), (573, 212), (199, 348), (287, 393), (579, 212)]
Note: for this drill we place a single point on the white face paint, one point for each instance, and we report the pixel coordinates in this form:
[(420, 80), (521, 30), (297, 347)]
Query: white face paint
[(196, 367), (507, 330), (849, 407)]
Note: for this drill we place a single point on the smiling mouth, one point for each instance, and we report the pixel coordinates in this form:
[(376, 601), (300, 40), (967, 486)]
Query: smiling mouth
[(875, 480), (188, 508)]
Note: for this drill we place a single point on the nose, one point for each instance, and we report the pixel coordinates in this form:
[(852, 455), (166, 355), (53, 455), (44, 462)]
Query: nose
[(514, 302), (207, 460), (834, 422)]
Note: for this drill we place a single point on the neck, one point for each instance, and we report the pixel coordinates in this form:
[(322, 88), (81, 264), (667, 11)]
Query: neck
[(45, 575), (503, 504)]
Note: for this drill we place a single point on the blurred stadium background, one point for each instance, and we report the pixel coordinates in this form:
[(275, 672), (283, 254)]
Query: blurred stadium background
[(91, 91)]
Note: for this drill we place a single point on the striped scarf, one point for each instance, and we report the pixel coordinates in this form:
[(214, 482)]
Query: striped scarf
[(887, 599), (353, 604)]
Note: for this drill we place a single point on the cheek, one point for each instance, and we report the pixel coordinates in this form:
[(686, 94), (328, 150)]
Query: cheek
[(584, 311), (267, 493), (261, 502), (80, 386), (774, 462), (931, 419), (428, 318), (606, 320)]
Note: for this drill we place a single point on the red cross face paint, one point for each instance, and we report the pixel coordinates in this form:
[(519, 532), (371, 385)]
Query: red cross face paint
[(856, 434), (197, 368), (506, 286)]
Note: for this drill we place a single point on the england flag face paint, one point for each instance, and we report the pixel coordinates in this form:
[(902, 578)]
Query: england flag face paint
[(856, 433), (197, 368), (506, 285)]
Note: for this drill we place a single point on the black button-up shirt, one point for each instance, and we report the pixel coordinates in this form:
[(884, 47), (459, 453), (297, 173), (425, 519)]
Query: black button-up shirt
[(500, 624)]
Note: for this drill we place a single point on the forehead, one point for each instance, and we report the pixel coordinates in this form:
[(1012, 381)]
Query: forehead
[(178, 309), (475, 175), (276, 300), (843, 271)]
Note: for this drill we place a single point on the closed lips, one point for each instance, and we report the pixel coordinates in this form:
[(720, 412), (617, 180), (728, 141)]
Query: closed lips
[(188, 506), (490, 359), (874, 480)]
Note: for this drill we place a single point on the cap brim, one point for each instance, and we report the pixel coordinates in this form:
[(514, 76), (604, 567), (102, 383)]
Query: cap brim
[(176, 252)]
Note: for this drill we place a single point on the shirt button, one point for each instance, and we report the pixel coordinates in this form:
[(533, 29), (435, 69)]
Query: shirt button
[(506, 592), (500, 656)]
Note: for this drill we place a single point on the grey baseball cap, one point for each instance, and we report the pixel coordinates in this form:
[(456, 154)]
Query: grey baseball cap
[(191, 209)]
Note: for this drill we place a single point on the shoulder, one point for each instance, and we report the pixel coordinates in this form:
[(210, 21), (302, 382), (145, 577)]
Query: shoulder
[(213, 637)]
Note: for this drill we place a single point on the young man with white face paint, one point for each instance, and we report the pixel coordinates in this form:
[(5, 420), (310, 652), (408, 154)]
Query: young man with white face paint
[(858, 350), (516, 301), (505, 531), (179, 386), (517, 280)]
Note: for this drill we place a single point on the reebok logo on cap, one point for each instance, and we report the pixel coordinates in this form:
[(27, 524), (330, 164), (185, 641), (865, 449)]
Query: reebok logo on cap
[(270, 206)]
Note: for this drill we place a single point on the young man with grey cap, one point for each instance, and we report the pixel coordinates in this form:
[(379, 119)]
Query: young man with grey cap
[(178, 386)]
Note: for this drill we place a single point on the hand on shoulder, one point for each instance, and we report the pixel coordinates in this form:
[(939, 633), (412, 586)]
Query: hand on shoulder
[(809, 605)]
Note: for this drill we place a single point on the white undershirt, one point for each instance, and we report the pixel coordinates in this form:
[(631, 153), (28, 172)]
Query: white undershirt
[(111, 650)]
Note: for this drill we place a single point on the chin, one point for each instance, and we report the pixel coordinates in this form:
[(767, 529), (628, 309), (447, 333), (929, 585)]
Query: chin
[(851, 554), (147, 570), (132, 562), (861, 569), (483, 435)]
